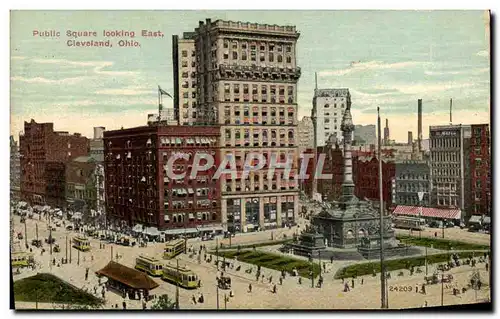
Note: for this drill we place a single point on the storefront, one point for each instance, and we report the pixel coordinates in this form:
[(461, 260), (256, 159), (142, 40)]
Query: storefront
[(270, 212), (252, 206), (233, 215)]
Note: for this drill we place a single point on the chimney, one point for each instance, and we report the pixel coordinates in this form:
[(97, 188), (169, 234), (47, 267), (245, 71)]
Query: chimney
[(419, 137), (451, 110), (410, 137)]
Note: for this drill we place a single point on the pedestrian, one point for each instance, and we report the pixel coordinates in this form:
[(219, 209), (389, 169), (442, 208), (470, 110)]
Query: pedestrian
[(274, 289), (124, 305), (249, 287), (486, 266), (416, 288), (423, 289), (346, 287), (194, 299), (281, 280), (144, 305), (362, 280), (352, 283), (300, 280), (270, 279), (435, 234)]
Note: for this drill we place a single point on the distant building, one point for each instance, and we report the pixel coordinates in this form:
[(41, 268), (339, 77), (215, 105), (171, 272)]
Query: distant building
[(15, 170), (97, 144), (450, 152), (166, 117), (305, 131), (411, 177), (386, 133), (139, 190), (184, 62), (81, 192), (366, 176), (329, 106), (44, 154), (480, 170), (365, 134)]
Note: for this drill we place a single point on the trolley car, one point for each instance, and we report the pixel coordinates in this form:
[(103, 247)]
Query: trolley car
[(149, 265), (408, 222), (174, 248), (21, 259), (81, 243), (182, 276)]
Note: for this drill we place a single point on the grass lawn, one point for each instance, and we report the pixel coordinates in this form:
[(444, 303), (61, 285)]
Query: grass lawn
[(267, 243), (438, 243), (395, 264), (272, 261), (49, 288)]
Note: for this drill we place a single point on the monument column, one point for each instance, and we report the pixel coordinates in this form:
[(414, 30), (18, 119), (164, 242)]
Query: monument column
[(347, 128)]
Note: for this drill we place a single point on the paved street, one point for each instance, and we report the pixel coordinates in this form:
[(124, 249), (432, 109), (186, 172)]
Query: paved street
[(289, 296), (454, 233)]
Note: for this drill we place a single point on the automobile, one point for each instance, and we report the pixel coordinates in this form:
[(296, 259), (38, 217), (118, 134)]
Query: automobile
[(207, 237), (449, 224), (69, 227), (56, 248), (36, 243)]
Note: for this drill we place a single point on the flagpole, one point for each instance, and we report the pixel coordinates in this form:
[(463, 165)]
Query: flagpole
[(383, 281)]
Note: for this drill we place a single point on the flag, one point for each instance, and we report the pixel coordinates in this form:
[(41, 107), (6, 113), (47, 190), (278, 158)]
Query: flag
[(162, 92)]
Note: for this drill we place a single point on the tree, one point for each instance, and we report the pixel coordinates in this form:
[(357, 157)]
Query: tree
[(163, 302)]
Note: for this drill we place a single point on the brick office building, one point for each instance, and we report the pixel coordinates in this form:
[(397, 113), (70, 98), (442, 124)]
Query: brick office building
[(480, 170), (81, 193), (44, 154), (138, 189)]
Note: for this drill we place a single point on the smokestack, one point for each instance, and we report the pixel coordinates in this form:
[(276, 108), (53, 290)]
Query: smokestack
[(410, 137), (419, 125), (451, 106)]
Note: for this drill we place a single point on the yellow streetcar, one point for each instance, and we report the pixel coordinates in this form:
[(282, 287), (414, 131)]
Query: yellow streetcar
[(81, 243), (174, 248), (150, 265), (21, 259), (180, 275)]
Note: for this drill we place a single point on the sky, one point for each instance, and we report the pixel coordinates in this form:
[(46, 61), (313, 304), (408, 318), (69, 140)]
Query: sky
[(400, 56)]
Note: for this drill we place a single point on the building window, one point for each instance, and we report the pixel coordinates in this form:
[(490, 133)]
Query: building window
[(235, 45), (243, 45), (245, 88), (226, 88), (327, 106), (253, 56), (288, 59), (185, 95), (262, 57), (244, 55), (235, 55), (226, 56), (184, 53), (226, 44), (184, 64), (271, 57), (280, 58), (236, 88), (185, 75)]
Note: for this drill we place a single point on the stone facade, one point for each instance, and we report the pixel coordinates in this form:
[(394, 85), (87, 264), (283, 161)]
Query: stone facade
[(411, 177), (305, 132), (449, 150), (329, 106), (184, 62), (247, 83), (15, 169)]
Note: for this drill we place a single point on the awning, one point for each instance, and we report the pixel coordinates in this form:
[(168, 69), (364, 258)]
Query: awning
[(475, 219), (137, 228), (427, 212), (209, 228), (178, 231), (152, 231)]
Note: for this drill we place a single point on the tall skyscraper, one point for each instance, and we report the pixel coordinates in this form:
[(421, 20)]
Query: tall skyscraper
[(330, 105), (247, 83), (184, 62)]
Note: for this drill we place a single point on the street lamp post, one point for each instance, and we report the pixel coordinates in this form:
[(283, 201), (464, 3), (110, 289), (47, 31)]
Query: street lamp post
[(26, 234), (217, 289)]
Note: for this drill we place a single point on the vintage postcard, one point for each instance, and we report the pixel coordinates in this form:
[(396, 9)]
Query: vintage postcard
[(195, 160)]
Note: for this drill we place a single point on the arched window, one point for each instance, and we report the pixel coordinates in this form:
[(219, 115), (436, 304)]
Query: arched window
[(290, 134), (214, 216)]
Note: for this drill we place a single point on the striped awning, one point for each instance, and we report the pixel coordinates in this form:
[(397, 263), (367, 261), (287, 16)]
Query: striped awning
[(428, 212)]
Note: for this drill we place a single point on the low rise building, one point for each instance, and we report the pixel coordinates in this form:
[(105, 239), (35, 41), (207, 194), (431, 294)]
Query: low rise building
[(411, 178)]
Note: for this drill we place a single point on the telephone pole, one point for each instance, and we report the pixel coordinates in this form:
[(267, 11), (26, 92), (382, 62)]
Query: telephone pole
[(177, 289), (383, 281)]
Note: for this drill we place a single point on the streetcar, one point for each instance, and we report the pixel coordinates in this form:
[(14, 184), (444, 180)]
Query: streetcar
[(81, 243), (174, 248), (21, 259), (408, 222), (182, 276), (150, 265)]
